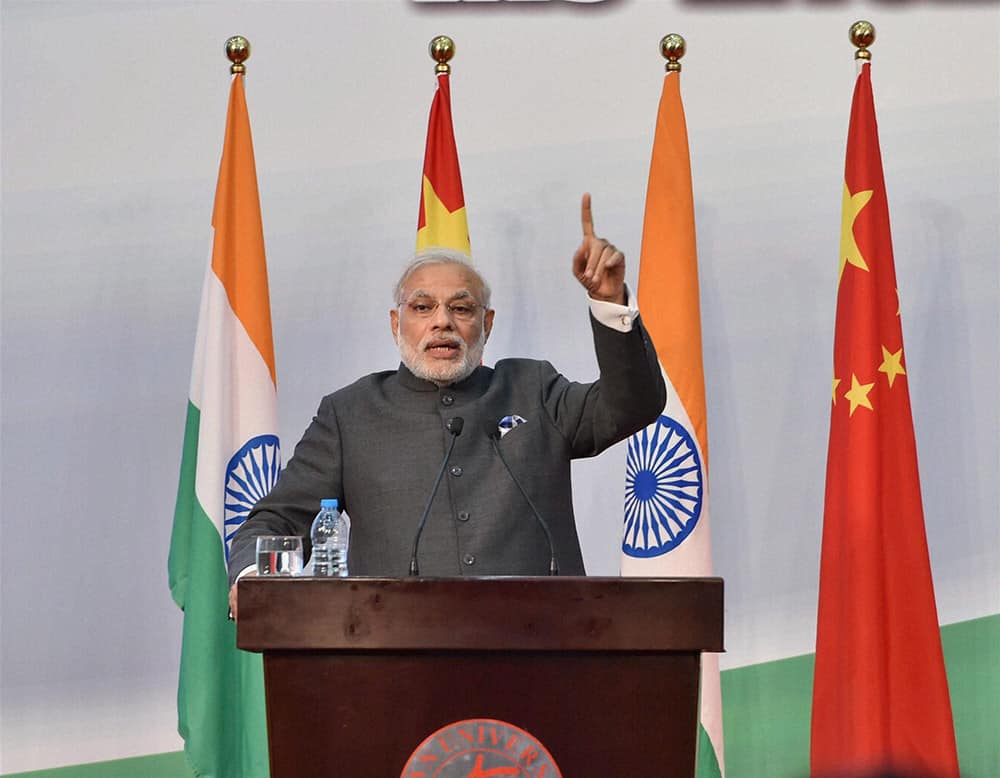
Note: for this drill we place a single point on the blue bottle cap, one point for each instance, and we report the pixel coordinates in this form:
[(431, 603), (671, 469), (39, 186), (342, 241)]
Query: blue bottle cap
[(327, 504)]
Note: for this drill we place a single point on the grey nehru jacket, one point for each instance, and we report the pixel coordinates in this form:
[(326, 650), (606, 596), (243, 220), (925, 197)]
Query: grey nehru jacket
[(377, 445)]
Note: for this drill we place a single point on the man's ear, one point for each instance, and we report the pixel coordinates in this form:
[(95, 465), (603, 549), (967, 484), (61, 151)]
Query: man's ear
[(488, 324), (394, 323)]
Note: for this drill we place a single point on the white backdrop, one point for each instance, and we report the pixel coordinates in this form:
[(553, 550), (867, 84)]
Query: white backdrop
[(112, 121)]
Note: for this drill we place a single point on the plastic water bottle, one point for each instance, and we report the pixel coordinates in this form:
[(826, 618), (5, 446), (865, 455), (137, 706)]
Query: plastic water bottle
[(329, 541)]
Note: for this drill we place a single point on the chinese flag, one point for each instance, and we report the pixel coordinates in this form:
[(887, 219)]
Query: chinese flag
[(880, 694), (441, 221)]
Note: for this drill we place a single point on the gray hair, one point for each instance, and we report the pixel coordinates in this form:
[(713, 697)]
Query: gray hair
[(439, 256)]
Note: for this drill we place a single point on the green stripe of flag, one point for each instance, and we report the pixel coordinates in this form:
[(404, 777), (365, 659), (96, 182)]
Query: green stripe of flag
[(220, 695), (707, 764)]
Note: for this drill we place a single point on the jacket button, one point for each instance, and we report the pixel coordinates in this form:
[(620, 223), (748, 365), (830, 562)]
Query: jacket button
[(463, 515), (447, 399), (456, 471), (469, 559)]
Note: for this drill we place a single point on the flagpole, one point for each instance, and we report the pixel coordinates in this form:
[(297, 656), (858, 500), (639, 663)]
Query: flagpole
[(709, 759), (230, 455), (441, 217), (666, 512), (881, 701)]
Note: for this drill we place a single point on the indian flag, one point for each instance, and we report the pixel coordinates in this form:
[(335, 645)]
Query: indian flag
[(231, 459), (666, 479)]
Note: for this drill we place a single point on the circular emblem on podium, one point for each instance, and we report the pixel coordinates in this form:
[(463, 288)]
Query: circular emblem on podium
[(250, 474), (663, 489), (481, 748)]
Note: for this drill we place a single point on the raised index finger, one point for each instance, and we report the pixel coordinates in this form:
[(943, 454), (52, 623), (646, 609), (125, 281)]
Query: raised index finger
[(586, 216)]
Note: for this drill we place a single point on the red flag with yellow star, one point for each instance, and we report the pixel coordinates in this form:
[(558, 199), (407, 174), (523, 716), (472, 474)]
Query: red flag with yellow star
[(441, 221), (880, 693)]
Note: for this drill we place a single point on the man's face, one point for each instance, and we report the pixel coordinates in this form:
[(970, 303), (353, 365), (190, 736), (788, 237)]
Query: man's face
[(441, 326)]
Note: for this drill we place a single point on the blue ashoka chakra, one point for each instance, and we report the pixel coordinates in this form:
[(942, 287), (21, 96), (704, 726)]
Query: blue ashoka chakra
[(664, 489), (250, 474)]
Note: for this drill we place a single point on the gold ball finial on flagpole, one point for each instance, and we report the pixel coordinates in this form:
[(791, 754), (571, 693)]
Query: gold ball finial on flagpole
[(672, 47), (442, 49), (238, 51), (862, 35)]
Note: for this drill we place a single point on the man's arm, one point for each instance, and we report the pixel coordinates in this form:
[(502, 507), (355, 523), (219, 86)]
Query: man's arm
[(628, 396), (313, 472), (631, 392)]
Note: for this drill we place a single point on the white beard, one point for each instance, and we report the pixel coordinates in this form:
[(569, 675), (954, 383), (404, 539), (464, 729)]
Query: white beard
[(442, 372)]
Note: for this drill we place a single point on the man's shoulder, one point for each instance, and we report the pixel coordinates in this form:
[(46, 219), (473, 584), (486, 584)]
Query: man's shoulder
[(520, 363), (362, 387), (521, 368)]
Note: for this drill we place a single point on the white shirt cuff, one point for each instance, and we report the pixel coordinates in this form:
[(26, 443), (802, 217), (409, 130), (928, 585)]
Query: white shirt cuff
[(246, 571), (617, 317)]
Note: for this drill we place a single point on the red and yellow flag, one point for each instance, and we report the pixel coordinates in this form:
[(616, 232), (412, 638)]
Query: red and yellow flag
[(441, 221), (880, 694)]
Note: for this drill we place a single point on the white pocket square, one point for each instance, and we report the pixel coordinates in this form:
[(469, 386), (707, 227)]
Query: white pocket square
[(507, 423)]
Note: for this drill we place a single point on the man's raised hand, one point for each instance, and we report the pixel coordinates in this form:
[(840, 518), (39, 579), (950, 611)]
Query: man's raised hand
[(597, 264)]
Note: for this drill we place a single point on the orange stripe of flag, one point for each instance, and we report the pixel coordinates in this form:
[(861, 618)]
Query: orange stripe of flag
[(668, 269), (238, 248)]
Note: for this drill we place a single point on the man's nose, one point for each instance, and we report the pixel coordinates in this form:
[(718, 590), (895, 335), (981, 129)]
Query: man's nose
[(441, 318)]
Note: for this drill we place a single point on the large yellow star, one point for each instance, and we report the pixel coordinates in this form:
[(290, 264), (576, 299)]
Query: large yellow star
[(892, 364), (849, 251), (442, 228), (836, 381), (858, 394)]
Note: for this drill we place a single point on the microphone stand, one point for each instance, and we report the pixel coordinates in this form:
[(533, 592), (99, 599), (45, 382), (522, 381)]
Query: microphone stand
[(553, 564), (454, 426)]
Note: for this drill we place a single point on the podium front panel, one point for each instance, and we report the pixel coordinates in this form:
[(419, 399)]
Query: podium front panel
[(359, 672), (599, 715)]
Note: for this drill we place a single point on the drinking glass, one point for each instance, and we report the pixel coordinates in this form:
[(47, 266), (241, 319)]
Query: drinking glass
[(279, 555)]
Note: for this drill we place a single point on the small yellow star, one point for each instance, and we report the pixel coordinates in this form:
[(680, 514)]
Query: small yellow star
[(849, 251), (835, 382), (858, 394), (892, 364), (442, 228)]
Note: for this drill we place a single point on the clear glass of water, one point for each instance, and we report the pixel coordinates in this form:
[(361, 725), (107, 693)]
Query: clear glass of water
[(279, 555)]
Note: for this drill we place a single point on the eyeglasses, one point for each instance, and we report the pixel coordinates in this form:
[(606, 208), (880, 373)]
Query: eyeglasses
[(459, 310)]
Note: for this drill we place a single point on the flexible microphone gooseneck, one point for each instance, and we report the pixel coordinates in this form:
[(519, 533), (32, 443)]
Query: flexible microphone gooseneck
[(494, 437), (454, 426)]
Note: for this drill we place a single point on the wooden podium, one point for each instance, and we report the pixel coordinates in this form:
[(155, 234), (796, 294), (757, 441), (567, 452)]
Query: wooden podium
[(359, 672)]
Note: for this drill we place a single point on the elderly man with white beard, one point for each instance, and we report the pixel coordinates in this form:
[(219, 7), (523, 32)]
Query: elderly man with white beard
[(377, 444)]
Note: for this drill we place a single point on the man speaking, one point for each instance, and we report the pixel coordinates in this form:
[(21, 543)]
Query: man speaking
[(378, 444)]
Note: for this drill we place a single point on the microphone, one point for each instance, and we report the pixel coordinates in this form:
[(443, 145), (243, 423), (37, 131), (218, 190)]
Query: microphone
[(494, 435), (454, 426)]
